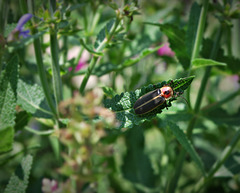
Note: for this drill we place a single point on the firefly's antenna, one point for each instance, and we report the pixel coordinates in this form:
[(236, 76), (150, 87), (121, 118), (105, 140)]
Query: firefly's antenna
[(185, 101)]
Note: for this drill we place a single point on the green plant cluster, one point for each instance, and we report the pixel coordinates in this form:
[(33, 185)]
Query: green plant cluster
[(71, 72)]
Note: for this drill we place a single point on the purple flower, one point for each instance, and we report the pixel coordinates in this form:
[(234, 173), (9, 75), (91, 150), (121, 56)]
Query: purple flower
[(165, 51), (19, 31), (20, 26)]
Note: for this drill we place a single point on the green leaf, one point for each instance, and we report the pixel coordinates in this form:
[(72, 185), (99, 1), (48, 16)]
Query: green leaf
[(31, 98), (123, 104), (19, 181), (176, 38), (6, 139), (8, 94), (182, 139), (231, 166), (201, 62), (192, 27)]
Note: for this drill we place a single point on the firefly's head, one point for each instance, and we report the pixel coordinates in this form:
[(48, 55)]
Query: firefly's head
[(166, 92)]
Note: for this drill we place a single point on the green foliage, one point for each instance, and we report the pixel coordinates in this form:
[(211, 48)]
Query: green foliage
[(20, 179), (123, 104), (48, 110)]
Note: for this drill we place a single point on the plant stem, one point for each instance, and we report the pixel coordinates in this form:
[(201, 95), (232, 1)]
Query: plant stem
[(57, 82), (199, 35), (48, 132), (42, 74), (198, 40), (88, 73), (56, 79), (95, 58), (207, 72), (195, 53)]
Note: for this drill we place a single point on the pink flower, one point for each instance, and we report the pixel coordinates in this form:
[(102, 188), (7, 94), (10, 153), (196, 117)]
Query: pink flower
[(79, 66), (165, 51)]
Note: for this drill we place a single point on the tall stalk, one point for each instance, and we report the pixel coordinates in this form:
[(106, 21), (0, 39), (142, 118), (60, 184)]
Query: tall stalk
[(56, 79), (179, 164)]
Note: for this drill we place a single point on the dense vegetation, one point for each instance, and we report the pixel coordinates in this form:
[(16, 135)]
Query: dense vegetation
[(71, 72)]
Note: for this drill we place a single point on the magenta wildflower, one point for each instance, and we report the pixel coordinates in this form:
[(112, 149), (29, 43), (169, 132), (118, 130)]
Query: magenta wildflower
[(79, 66), (19, 31), (165, 51)]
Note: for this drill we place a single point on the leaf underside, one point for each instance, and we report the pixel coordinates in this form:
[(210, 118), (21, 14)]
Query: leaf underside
[(123, 104)]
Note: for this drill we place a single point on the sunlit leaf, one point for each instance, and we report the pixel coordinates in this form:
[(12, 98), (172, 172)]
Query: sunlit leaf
[(201, 62)]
